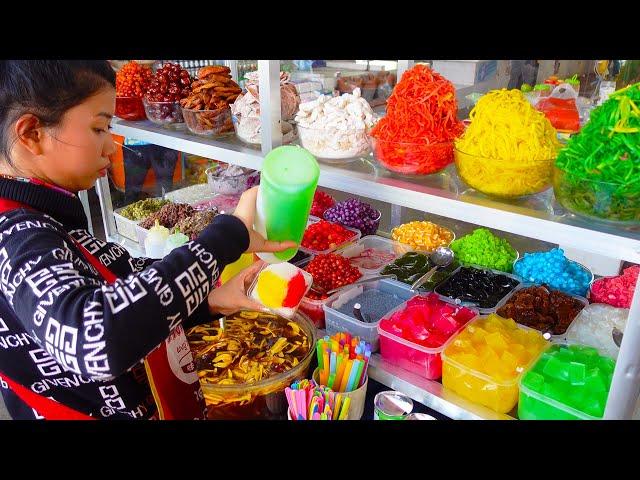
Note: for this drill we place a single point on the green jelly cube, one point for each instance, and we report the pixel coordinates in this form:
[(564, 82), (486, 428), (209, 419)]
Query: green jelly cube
[(577, 373), (534, 381), (564, 354), (595, 385), (593, 405), (594, 372), (607, 364), (563, 392), (588, 355), (541, 363), (549, 390), (556, 368), (576, 397)]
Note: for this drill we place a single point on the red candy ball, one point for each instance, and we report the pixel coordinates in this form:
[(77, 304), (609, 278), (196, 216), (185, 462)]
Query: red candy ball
[(331, 271), (321, 202), (324, 235)]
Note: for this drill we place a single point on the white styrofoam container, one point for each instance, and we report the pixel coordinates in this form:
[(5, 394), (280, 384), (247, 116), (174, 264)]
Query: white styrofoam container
[(125, 227)]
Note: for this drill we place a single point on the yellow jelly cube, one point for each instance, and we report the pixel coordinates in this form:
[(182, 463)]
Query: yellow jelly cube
[(511, 324), (482, 350), (478, 335), (496, 341), (515, 348), (468, 360), (509, 360)]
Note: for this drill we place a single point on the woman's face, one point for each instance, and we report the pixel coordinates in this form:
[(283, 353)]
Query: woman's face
[(76, 152)]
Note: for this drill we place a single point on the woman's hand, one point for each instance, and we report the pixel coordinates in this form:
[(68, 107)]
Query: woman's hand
[(231, 297), (246, 211)]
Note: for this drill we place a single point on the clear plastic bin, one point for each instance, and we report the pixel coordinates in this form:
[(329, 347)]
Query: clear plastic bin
[(339, 322), (374, 242), (478, 387), (567, 382), (301, 259), (531, 401), (415, 358), (314, 310), (355, 238), (125, 227), (482, 311), (560, 338)]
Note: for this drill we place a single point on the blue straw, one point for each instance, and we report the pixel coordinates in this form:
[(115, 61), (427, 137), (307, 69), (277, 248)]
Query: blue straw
[(352, 375)]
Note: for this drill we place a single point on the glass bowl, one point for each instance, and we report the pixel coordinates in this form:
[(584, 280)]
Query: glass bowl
[(617, 204), (130, 108), (413, 159), (504, 178), (226, 179), (402, 248), (264, 399), (248, 131), (555, 287), (163, 113), (370, 229), (209, 123), (331, 145)]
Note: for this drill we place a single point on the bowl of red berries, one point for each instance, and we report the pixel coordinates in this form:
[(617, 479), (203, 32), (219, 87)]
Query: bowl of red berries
[(167, 87), (321, 202), (322, 236), (132, 81)]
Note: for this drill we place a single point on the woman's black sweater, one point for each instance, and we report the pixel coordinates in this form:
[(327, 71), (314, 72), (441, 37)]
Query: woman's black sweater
[(68, 335)]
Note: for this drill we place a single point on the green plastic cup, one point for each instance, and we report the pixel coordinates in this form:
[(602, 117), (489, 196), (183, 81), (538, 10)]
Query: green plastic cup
[(288, 181)]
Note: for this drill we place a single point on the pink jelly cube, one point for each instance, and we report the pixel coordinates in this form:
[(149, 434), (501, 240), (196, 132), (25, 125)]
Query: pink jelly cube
[(414, 335)]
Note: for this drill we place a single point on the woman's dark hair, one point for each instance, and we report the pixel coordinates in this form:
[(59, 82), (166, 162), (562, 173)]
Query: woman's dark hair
[(46, 89)]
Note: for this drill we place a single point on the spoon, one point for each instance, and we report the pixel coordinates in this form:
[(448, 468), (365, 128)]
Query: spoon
[(357, 312), (617, 336), (442, 257)]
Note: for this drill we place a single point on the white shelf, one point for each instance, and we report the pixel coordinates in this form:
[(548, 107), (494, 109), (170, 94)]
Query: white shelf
[(443, 194), (229, 150)]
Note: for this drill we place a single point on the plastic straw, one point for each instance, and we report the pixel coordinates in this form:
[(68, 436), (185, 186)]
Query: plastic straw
[(345, 409), (336, 356), (345, 376), (352, 375)]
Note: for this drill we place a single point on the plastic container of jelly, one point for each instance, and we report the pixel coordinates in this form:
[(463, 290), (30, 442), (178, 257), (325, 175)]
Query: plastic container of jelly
[(423, 361), (492, 388), (568, 382), (288, 181)]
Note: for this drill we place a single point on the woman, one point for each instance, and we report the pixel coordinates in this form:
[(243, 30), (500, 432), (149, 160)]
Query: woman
[(66, 333)]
